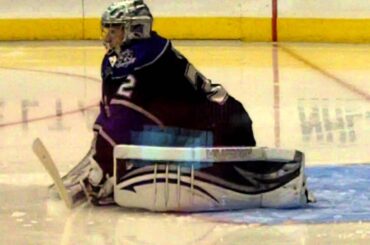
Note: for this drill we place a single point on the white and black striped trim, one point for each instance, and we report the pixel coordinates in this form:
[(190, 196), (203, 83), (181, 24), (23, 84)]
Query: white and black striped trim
[(166, 179), (249, 187)]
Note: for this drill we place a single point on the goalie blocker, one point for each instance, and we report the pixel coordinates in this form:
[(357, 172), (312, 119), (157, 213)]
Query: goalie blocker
[(206, 179)]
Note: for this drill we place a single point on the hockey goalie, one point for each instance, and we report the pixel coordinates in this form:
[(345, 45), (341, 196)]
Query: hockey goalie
[(168, 139)]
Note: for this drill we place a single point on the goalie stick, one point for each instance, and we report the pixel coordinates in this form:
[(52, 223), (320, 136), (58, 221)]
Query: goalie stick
[(76, 170), (46, 160), (42, 153)]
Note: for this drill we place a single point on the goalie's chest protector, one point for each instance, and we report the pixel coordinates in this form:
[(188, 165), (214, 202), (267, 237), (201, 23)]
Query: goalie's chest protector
[(122, 67), (151, 74)]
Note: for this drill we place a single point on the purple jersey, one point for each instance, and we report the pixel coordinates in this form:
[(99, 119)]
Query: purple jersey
[(152, 95)]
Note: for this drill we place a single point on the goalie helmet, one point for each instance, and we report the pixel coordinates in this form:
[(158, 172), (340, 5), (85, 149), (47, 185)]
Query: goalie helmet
[(133, 15)]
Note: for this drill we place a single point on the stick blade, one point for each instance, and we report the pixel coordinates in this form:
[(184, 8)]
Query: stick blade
[(42, 153)]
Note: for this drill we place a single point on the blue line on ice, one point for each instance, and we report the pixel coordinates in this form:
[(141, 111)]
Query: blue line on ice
[(342, 193)]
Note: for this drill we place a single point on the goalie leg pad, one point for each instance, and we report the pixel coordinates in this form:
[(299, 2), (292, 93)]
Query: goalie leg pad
[(238, 178)]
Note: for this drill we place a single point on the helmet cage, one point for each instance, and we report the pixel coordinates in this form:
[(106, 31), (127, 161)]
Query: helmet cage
[(136, 20)]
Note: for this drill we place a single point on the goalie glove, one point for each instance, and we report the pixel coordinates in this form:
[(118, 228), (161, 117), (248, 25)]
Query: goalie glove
[(99, 187), (87, 183)]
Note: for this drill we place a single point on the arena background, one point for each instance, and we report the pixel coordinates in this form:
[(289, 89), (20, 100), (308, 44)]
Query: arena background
[(309, 91), (249, 20)]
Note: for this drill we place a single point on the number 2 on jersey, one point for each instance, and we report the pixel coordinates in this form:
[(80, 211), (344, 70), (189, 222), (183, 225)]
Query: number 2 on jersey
[(127, 87)]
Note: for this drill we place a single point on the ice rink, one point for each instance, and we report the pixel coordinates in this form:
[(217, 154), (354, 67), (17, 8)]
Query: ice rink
[(310, 97)]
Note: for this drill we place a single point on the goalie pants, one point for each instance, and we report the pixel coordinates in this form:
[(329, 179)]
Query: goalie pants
[(211, 125)]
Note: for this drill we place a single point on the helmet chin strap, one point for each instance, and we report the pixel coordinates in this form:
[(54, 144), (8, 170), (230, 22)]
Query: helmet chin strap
[(117, 49)]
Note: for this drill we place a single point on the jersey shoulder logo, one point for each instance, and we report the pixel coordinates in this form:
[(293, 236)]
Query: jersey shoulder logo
[(126, 58)]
